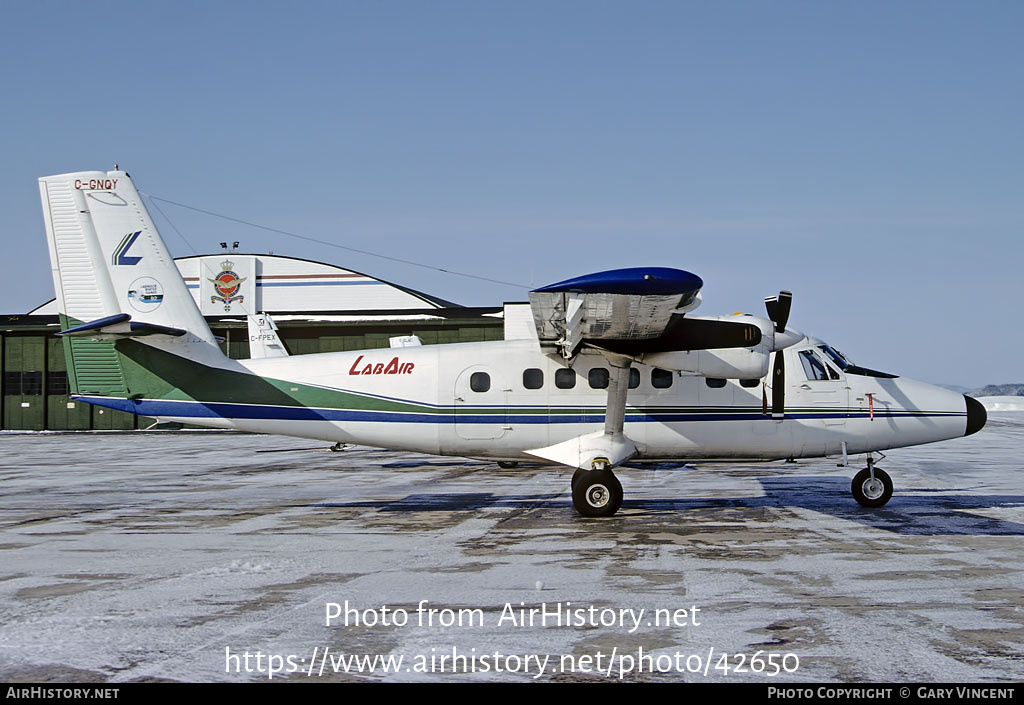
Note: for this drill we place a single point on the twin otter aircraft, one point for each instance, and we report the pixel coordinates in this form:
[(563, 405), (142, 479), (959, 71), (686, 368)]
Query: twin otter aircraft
[(615, 369)]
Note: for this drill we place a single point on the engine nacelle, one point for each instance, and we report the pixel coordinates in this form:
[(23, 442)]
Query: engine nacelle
[(723, 363), (735, 362), (726, 363)]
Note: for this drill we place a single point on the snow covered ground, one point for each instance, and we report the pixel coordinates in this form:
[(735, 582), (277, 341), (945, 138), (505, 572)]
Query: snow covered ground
[(1002, 403), (151, 556)]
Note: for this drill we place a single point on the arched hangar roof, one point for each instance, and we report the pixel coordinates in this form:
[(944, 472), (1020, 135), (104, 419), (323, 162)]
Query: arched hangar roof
[(275, 283)]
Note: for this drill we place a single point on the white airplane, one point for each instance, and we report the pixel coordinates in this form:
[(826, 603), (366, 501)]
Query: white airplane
[(614, 369)]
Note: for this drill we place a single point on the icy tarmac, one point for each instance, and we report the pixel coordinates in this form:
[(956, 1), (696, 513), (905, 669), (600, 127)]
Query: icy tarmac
[(169, 556)]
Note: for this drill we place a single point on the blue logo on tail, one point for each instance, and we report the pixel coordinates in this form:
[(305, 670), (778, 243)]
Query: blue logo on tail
[(121, 253)]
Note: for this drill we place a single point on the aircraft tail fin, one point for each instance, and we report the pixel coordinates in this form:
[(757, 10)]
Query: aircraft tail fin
[(263, 338), (108, 257), (114, 279)]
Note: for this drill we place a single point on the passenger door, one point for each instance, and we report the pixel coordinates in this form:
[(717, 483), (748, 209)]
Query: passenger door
[(480, 404)]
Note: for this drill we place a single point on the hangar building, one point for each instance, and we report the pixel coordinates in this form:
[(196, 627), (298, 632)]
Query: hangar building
[(318, 307)]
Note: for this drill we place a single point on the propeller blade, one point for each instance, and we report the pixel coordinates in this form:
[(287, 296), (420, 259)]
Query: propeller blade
[(779, 385), (778, 309)]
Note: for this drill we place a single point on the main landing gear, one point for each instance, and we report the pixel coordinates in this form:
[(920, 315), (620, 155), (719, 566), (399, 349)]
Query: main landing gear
[(596, 492), (871, 487)]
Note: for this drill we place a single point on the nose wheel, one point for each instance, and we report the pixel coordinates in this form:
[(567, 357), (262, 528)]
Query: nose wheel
[(596, 492), (871, 487)]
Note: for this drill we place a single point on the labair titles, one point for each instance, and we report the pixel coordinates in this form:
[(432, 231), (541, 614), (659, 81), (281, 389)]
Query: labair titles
[(395, 367)]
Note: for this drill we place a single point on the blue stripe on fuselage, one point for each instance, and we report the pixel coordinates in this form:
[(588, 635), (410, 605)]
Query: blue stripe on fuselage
[(227, 410)]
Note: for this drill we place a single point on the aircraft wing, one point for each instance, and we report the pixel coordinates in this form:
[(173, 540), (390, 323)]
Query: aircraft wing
[(630, 315), (622, 305), (615, 309)]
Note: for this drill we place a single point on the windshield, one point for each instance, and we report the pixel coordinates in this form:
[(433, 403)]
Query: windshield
[(836, 356)]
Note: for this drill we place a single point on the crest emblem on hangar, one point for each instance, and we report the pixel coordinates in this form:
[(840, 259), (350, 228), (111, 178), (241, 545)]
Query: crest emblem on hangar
[(227, 284)]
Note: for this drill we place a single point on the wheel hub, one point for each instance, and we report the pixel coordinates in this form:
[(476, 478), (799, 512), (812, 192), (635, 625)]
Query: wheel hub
[(873, 488), (598, 496)]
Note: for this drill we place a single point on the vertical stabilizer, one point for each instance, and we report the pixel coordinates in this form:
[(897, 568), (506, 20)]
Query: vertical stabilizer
[(108, 259), (263, 338)]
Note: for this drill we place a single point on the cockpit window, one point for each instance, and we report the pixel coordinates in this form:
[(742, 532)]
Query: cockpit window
[(836, 356), (814, 368)]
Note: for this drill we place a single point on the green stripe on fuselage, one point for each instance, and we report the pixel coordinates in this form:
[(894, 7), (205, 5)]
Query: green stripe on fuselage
[(152, 373)]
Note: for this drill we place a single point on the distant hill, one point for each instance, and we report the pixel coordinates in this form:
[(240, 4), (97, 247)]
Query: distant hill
[(1000, 390), (955, 388)]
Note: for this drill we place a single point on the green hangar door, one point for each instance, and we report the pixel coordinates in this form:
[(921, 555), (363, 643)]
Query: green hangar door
[(61, 411), (24, 363)]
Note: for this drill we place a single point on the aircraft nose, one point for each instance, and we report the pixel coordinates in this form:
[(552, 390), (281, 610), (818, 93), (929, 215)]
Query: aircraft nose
[(976, 415)]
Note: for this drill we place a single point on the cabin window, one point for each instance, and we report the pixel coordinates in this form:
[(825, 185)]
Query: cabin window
[(480, 381), (634, 378), (598, 378), (714, 382), (565, 378), (814, 368), (749, 383), (533, 378), (661, 379)]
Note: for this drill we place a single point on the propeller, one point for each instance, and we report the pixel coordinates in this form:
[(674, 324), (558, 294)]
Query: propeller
[(778, 311), (779, 385)]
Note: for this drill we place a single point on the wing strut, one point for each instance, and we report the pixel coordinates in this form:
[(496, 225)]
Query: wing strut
[(618, 387), (606, 448)]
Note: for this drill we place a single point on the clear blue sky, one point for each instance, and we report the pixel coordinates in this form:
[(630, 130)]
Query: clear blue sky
[(868, 156)]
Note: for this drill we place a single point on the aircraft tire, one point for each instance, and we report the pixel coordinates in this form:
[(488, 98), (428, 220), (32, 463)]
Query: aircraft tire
[(597, 493), (870, 494), (576, 476), (507, 464)]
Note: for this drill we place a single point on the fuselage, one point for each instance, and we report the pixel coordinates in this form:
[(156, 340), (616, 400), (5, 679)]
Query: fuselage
[(500, 399)]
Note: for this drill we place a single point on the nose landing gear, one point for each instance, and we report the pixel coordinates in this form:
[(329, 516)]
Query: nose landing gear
[(871, 487)]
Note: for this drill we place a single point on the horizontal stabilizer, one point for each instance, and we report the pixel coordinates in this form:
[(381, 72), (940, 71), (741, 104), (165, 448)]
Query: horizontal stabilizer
[(582, 451), (119, 325)]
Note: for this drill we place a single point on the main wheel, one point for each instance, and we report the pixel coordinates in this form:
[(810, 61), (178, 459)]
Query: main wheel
[(597, 493), (577, 475), (871, 492), (507, 464)]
